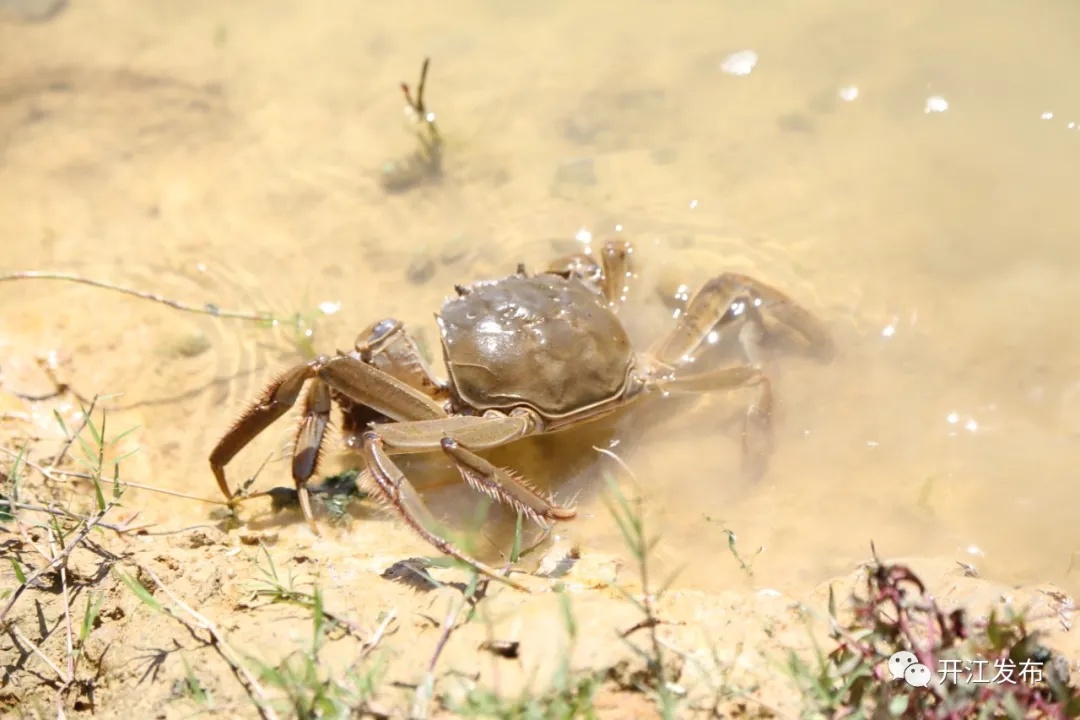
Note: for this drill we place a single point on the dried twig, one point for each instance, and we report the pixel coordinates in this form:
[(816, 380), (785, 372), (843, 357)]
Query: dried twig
[(175, 531), (425, 163), (621, 463), (217, 641), (68, 636), (62, 557), (373, 642), (37, 651), (207, 309), (13, 504), (66, 447), (124, 529), (60, 387), (417, 104), (426, 689), (51, 473)]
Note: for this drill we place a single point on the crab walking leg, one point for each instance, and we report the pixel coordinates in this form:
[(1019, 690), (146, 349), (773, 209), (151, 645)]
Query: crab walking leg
[(356, 380), (757, 428), (387, 346), (276, 400), (308, 445), (503, 485), (609, 274), (378, 390), (615, 261), (400, 493), (458, 437), (733, 299)]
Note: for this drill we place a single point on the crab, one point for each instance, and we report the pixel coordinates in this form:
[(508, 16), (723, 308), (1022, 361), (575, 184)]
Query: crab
[(525, 354)]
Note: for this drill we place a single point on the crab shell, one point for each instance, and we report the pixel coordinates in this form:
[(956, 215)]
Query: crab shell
[(546, 342)]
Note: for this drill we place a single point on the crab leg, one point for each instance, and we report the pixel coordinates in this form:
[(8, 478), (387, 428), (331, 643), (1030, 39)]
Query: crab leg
[(351, 377), (478, 433), (309, 439), (451, 434), (387, 346), (615, 261), (403, 496), (733, 299), (757, 427), (275, 401), (501, 484), (458, 437), (737, 302), (610, 273), (378, 390)]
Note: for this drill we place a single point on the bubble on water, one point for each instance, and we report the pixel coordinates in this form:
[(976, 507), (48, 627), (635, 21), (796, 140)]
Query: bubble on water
[(936, 104), (740, 63)]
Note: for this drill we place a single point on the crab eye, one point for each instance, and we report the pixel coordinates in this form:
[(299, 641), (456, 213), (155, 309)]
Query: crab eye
[(383, 328), (371, 340)]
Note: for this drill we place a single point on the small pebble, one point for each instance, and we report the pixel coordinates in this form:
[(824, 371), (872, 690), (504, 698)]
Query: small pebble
[(191, 345), (581, 130), (420, 270), (254, 538), (400, 176), (579, 171), (795, 122), (202, 537)]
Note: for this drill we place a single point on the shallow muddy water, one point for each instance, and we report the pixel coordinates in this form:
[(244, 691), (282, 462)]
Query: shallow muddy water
[(908, 171)]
